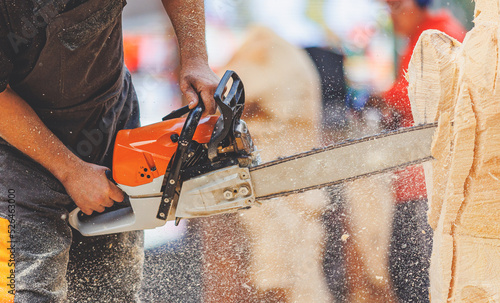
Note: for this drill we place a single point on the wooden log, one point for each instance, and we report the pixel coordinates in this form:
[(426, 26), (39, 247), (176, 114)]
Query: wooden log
[(457, 85)]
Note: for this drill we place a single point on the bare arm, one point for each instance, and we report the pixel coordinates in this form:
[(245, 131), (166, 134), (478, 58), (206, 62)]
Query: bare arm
[(86, 183), (196, 77)]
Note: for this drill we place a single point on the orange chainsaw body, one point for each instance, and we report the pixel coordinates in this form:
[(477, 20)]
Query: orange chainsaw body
[(142, 154)]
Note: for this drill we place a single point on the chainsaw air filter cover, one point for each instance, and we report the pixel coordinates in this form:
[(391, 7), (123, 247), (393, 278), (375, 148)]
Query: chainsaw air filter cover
[(144, 153)]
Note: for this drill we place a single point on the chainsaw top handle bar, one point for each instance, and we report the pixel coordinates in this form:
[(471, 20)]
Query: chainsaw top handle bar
[(230, 106)]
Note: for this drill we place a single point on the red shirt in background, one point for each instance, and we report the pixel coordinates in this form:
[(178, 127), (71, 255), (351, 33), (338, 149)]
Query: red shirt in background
[(410, 183)]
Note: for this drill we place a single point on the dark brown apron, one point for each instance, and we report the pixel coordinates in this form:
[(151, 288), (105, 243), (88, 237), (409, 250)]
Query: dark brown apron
[(79, 86), (82, 92)]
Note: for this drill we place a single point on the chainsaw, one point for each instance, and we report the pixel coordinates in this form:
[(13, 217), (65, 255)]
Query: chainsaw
[(196, 166)]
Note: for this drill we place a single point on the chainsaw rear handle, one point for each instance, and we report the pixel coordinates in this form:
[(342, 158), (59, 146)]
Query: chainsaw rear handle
[(111, 216)]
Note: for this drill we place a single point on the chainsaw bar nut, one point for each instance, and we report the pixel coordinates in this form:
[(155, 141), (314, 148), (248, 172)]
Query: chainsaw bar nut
[(244, 190), (228, 194)]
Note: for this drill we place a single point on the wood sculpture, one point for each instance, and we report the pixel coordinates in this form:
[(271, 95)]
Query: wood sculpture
[(458, 85)]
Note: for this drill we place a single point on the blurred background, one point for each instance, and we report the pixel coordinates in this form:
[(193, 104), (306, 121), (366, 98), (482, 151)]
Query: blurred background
[(362, 50)]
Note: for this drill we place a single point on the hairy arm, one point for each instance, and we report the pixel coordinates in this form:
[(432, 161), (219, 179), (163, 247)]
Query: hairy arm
[(196, 77), (86, 183)]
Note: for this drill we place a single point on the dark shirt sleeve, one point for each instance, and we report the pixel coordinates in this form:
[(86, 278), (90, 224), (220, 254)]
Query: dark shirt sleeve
[(5, 52)]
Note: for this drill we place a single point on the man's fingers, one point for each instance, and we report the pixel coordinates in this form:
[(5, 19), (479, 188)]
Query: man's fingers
[(100, 208), (206, 96), (108, 202), (209, 102), (86, 211), (115, 193), (191, 97)]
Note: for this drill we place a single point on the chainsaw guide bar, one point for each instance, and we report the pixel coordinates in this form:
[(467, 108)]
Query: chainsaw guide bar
[(342, 162)]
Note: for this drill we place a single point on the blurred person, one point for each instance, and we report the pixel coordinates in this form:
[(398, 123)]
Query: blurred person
[(410, 18), (64, 94), (411, 241)]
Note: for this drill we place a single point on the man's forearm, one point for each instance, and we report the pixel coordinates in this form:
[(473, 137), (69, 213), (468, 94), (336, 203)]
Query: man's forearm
[(188, 20), (196, 79), (86, 183), (22, 128)]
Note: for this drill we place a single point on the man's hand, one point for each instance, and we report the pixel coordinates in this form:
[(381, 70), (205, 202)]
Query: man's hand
[(91, 190), (197, 79)]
